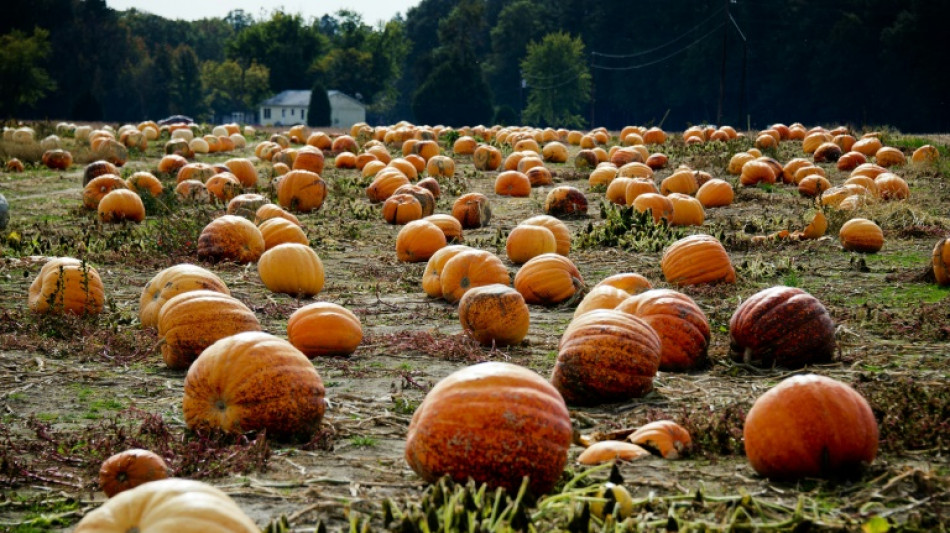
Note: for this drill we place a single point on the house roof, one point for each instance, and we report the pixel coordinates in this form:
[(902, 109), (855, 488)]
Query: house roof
[(301, 98)]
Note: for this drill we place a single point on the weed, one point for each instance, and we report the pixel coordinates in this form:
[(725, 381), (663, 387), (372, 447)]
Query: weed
[(626, 228), (363, 442)]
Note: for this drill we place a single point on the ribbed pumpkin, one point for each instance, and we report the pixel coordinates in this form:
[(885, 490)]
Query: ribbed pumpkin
[(191, 191), (279, 230), (171, 282), (486, 158), (629, 282), (121, 205), (473, 210), (98, 187), (755, 172), (309, 158), (269, 211), (432, 277), (810, 426), (418, 240), (695, 260), (196, 171), (601, 297), (925, 155), (191, 321), (528, 241), (687, 211), (254, 381), (425, 197), (100, 168), (891, 187), (548, 279), (679, 323), (660, 207), (565, 202), (554, 152), (889, 156), (539, 176), (513, 183), (562, 234), (301, 190), (231, 238), (633, 188), (66, 285), (450, 226), (495, 423), (401, 209), (606, 356), (324, 329), (129, 469), (494, 315), (682, 181), (172, 504), (781, 326), (468, 269), (144, 183), (851, 161), (440, 166), (292, 268), (715, 193), (828, 152), (941, 262), (223, 187), (861, 235), (813, 185)]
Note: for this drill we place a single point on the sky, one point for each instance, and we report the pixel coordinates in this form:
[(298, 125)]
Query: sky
[(371, 10)]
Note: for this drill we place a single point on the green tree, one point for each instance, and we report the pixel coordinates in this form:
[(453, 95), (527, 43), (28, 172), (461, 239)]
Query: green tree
[(518, 24), (186, 96), (318, 115), (227, 87), (558, 81), (24, 81), (283, 44)]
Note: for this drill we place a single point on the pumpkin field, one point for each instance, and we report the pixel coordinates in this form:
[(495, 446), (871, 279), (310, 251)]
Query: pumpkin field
[(274, 313)]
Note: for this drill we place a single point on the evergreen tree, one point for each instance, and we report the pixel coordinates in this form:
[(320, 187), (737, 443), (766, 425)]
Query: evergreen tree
[(319, 113), (558, 81)]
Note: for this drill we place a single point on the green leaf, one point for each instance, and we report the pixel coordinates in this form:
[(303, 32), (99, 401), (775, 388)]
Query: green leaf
[(877, 524)]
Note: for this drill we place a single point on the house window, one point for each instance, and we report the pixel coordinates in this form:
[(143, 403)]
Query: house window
[(266, 112), (292, 111), (283, 113), (303, 114)]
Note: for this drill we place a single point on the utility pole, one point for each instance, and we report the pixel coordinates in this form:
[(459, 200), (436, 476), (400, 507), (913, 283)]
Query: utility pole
[(722, 71)]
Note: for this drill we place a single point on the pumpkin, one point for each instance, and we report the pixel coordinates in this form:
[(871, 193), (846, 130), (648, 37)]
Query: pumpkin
[(254, 381), (554, 152), (431, 278), (562, 234), (603, 176), (468, 269), (804, 172), (635, 170), (891, 187), (790, 168), (301, 190), (607, 451), (828, 152), (781, 326), (385, 184), (450, 226), (845, 141), (324, 329), (195, 171), (291, 268), (243, 169), (223, 186), (606, 356), (941, 262), (57, 159), (268, 211), (279, 230), (817, 227), (171, 282), (585, 159), (658, 205), (528, 241), (418, 240), (66, 285), (622, 156), (656, 161), (851, 161), (628, 282), (925, 155), (472, 210), (695, 260), (664, 437), (495, 423), (888, 156), (246, 205), (440, 166), (464, 145), (715, 193), (810, 426), (755, 172), (513, 183), (616, 192), (191, 191), (98, 187), (309, 158), (15, 165), (654, 135), (738, 161), (861, 235), (424, 196), (231, 238), (565, 202), (539, 176), (867, 146), (601, 297), (486, 158), (180, 505), (144, 183), (813, 185), (634, 188), (121, 205), (687, 211), (192, 320), (682, 181), (401, 209), (344, 143), (679, 323), (548, 279), (494, 315), (129, 469)]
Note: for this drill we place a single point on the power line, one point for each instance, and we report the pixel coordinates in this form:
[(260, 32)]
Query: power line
[(664, 58), (680, 37)]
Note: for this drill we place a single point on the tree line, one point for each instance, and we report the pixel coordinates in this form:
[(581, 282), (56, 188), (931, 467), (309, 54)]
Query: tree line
[(568, 63)]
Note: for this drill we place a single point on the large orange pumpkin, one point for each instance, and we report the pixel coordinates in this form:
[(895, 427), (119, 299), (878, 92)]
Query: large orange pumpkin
[(121, 205), (494, 314), (418, 240), (782, 326), (191, 321), (301, 190), (324, 329), (527, 241), (810, 426), (231, 238), (695, 260), (562, 234), (565, 202), (861, 235), (495, 423), (67, 285), (606, 356), (291, 268), (171, 282), (472, 210), (98, 187), (679, 323), (254, 381), (548, 279), (432, 277), (468, 269), (279, 230)]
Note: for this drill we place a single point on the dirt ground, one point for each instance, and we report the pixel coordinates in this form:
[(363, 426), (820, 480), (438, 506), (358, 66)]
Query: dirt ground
[(72, 391)]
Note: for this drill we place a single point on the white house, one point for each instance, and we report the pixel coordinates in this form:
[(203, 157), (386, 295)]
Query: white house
[(290, 107)]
